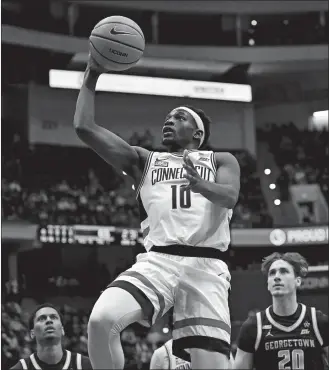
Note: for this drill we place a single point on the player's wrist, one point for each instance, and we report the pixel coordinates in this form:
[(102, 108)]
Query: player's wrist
[(201, 186), (90, 78)]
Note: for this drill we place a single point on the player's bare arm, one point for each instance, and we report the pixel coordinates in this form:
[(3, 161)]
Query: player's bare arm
[(243, 360), (325, 358), (227, 186), (105, 143)]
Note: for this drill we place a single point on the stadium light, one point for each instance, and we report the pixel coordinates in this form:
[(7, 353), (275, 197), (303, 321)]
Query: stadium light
[(321, 114), (62, 79), (267, 171)]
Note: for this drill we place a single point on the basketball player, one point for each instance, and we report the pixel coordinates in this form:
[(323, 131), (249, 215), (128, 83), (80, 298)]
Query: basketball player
[(288, 334), (164, 359), (47, 330), (186, 196)]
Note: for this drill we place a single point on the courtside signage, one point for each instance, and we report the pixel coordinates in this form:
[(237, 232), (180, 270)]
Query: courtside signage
[(154, 86), (106, 235)]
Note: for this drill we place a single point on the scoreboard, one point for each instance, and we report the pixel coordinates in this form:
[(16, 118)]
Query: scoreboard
[(89, 234)]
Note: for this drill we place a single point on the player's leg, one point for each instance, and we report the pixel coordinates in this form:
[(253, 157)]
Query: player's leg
[(201, 315), (141, 294), (114, 311)]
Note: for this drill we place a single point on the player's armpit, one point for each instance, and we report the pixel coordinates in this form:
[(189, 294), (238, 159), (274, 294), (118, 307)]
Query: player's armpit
[(114, 150), (243, 360)]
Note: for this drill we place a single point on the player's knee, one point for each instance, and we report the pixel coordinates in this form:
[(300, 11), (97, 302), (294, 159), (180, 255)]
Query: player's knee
[(103, 317), (113, 312)]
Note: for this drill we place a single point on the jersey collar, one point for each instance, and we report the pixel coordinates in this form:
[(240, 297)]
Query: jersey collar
[(290, 328)]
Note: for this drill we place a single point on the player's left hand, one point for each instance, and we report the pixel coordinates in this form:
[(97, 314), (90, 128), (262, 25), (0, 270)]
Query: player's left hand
[(192, 175)]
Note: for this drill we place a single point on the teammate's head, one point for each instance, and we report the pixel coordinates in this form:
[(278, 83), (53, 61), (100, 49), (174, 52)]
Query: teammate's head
[(284, 272), (186, 127), (46, 324)]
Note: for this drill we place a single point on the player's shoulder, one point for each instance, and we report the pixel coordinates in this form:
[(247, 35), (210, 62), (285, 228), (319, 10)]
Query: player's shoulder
[(160, 352), (143, 154), (321, 317), (251, 321), (85, 361), (226, 158), (160, 359), (19, 365)]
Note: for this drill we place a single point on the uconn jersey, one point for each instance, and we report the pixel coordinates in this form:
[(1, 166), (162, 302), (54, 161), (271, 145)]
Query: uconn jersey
[(69, 361), (173, 215), (286, 342)]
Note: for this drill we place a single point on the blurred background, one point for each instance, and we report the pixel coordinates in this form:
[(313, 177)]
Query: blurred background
[(70, 222)]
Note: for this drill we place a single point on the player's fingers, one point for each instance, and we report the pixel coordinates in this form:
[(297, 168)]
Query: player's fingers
[(189, 169), (189, 162), (186, 187), (189, 177), (187, 159)]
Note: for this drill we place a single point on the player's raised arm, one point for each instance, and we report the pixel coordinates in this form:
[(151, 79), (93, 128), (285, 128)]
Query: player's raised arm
[(105, 143)]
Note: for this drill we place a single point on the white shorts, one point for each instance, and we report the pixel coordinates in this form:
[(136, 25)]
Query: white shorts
[(198, 289)]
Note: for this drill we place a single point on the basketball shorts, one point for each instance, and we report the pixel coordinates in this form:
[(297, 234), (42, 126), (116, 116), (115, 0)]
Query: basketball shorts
[(198, 289)]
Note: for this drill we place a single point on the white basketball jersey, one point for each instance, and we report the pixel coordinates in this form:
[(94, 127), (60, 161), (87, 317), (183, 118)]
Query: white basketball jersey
[(173, 215), (175, 363)]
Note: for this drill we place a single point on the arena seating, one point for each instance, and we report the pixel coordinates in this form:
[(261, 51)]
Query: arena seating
[(302, 156), (64, 185)]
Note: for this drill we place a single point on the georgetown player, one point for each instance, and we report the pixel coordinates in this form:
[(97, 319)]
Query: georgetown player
[(47, 330), (288, 334), (186, 197)]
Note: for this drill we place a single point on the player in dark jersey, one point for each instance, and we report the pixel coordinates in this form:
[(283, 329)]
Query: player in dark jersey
[(288, 334), (47, 330)]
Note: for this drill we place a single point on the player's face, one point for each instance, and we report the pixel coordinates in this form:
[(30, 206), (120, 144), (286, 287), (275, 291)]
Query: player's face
[(178, 129), (281, 279), (47, 325)]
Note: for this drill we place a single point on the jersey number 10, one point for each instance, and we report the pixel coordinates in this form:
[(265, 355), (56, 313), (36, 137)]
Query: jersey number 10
[(183, 194)]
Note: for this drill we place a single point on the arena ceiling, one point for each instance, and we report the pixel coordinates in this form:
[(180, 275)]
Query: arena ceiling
[(215, 7)]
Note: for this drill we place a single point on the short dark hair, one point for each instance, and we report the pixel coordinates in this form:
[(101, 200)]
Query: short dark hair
[(206, 123), (296, 260), (44, 305)]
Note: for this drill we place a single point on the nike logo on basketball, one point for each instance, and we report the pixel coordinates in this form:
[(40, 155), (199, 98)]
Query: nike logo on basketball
[(116, 32)]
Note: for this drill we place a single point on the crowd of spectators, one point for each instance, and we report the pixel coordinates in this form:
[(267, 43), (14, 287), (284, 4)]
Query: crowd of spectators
[(47, 184), (138, 344), (301, 155)]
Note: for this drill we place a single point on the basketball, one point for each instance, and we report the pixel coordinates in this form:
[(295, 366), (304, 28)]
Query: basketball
[(117, 43)]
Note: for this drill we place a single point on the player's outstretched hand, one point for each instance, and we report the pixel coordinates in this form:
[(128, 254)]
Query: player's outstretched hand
[(191, 174)]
